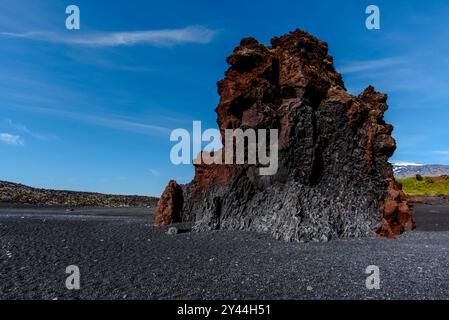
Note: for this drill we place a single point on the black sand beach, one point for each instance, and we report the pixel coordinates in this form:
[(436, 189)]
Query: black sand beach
[(121, 257)]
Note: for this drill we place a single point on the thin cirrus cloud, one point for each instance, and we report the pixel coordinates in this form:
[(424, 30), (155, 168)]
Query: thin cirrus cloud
[(24, 129), (154, 172), (11, 139), (117, 123), (370, 65), (164, 37), (442, 152)]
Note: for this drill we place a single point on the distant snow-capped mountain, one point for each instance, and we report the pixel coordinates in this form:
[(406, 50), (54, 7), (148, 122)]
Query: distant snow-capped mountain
[(407, 170)]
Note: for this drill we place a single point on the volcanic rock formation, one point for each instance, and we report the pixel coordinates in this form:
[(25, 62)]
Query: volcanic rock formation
[(334, 179), (170, 204)]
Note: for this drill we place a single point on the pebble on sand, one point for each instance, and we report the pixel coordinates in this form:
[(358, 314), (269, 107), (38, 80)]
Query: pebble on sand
[(172, 231)]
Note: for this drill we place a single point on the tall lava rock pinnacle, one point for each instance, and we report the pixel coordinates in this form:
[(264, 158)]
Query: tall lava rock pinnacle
[(334, 179)]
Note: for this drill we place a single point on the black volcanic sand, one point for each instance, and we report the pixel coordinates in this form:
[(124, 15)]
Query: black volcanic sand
[(121, 257)]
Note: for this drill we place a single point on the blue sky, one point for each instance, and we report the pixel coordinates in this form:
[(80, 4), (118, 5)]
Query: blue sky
[(92, 109)]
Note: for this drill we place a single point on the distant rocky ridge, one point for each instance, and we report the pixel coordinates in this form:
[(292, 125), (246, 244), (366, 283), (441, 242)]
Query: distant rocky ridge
[(18, 194), (409, 170), (334, 178)]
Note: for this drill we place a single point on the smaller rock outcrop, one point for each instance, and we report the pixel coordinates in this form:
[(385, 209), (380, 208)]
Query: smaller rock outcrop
[(170, 204)]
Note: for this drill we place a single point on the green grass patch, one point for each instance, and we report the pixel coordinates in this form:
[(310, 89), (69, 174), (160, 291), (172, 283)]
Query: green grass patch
[(429, 186)]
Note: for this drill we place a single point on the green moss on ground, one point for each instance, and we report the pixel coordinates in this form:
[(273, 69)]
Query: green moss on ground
[(429, 186)]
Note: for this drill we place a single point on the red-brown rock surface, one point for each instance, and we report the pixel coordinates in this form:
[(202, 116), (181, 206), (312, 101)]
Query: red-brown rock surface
[(334, 179), (170, 205)]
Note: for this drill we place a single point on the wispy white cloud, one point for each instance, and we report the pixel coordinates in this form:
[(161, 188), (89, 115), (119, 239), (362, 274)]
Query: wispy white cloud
[(424, 83), (154, 172), (122, 124), (98, 60), (165, 37), (117, 123), (24, 129), (442, 152), (370, 65), (12, 140)]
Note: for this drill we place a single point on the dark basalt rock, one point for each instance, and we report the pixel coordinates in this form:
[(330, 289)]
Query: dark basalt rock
[(334, 179)]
